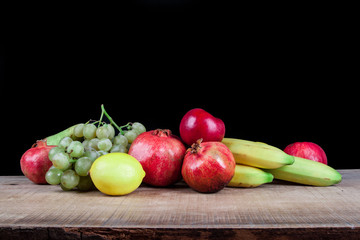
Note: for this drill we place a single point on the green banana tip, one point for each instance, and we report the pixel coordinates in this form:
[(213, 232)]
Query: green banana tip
[(291, 159), (271, 177)]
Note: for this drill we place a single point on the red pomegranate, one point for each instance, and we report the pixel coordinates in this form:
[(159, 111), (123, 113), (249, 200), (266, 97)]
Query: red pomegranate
[(35, 162), (197, 123), (208, 166), (161, 155)]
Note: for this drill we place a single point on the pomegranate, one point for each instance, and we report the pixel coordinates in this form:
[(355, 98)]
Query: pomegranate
[(307, 150), (197, 123), (161, 155), (208, 166), (35, 162)]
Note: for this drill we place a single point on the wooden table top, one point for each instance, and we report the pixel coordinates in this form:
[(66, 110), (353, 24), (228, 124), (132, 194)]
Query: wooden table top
[(279, 209)]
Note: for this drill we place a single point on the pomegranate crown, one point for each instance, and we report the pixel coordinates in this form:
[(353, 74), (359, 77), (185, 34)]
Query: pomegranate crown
[(195, 146), (162, 132)]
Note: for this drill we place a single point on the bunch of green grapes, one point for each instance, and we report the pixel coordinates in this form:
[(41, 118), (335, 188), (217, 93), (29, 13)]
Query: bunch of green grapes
[(73, 157)]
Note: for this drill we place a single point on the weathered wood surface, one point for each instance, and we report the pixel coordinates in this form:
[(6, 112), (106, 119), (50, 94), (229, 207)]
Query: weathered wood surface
[(278, 210)]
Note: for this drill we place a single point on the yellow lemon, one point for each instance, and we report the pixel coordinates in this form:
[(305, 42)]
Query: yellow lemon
[(117, 173)]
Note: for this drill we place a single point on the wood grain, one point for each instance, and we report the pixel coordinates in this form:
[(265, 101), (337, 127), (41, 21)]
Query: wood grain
[(281, 209)]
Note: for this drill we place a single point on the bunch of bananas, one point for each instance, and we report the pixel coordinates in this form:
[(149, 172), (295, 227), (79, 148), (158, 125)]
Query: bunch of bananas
[(258, 163)]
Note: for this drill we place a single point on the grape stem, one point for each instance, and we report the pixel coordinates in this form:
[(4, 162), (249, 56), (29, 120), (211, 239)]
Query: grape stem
[(102, 114), (103, 111)]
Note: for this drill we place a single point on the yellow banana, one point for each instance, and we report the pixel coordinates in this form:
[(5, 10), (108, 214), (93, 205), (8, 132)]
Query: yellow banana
[(257, 154), (307, 172), (246, 176), (249, 142)]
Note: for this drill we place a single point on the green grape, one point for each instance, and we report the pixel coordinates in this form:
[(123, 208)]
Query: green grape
[(92, 154), (89, 131), (101, 153), (82, 166), (111, 131), (93, 143), (121, 140), (65, 142), (86, 144), (70, 179), (119, 148), (64, 188), (85, 183), (69, 167), (61, 160), (105, 144), (52, 167), (54, 151), (102, 132), (53, 176), (138, 127), (78, 130), (131, 135), (75, 149)]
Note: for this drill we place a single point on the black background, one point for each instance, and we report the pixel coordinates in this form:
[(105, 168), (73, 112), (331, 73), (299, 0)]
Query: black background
[(273, 76)]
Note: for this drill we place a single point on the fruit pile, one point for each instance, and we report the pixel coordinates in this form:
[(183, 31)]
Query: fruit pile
[(91, 156), (69, 160), (74, 156)]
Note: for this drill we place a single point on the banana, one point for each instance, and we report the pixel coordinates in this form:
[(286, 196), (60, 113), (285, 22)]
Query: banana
[(250, 142), (257, 154), (307, 172), (246, 176)]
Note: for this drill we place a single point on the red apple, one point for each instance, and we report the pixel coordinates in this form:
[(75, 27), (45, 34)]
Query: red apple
[(197, 123), (35, 162), (307, 150)]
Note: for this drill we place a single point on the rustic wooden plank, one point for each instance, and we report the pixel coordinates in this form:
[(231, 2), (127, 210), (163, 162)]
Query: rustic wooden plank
[(176, 233), (273, 208)]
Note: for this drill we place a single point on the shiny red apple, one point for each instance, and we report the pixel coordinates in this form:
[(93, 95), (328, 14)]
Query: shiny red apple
[(307, 150), (197, 123)]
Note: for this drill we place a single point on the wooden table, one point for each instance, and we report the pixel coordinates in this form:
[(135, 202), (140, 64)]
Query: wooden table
[(278, 210)]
